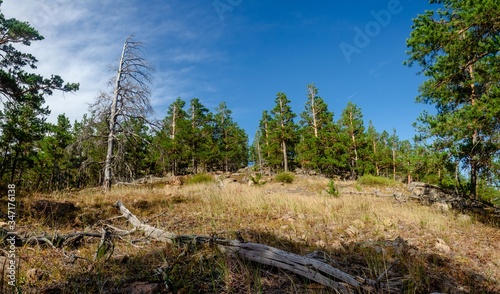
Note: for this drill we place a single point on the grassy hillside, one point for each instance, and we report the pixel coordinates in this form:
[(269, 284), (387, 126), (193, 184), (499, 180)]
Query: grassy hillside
[(419, 249)]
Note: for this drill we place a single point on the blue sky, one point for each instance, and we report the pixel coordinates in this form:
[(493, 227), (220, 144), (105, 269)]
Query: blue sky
[(239, 51)]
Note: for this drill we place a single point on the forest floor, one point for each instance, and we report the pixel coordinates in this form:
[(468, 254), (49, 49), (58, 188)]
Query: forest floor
[(445, 251)]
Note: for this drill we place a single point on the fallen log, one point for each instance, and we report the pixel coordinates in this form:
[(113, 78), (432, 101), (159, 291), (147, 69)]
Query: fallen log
[(306, 267)]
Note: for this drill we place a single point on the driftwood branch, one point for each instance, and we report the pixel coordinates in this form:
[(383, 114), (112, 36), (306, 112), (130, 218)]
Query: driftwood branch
[(304, 266), (55, 240)]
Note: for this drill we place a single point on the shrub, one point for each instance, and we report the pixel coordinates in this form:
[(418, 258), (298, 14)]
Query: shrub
[(332, 190), (256, 179), (200, 178), (284, 177), (370, 180)]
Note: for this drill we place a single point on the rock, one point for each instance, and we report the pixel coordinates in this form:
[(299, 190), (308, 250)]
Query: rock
[(464, 218), (441, 246), (174, 181), (441, 206)]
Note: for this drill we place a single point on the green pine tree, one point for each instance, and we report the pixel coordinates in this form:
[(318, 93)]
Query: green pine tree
[(352, 134), (457, 47), (282, 132), (318, 135)]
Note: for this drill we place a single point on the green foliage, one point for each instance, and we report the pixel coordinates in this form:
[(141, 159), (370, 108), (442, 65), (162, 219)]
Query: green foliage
[(256, 179), (23, 116), (281, 134), (332, 189), (231, 140), (199, 179), (318, 137), (352, 136), (457, 49), (370, 180), (284, 177), (489, 193)]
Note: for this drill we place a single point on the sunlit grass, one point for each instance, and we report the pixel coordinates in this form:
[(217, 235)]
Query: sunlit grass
[(299, 217)]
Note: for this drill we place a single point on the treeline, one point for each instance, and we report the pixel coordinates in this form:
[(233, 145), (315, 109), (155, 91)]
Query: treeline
[(38, 155), (342, 147), (117, 141)]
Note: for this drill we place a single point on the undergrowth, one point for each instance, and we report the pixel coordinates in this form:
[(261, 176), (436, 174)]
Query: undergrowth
[(370, 180), (199, 179), (284, 178)]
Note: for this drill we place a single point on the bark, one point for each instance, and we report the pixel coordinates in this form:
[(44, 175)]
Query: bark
[(354, 144), (377, 169), (285, 156), (55, 241), (283, 143), (474, 170), (313, 110), (112, 123), (259, 154), (267, 139), (394, 164)]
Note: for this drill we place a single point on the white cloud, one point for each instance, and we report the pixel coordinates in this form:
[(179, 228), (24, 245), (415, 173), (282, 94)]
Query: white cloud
[(83, 38)]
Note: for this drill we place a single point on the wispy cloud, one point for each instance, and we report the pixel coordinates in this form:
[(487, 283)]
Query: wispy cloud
[(83, 38)]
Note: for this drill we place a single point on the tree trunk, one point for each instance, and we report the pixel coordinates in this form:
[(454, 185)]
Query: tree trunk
[(285, 156), (474, 169), (267, 139), (112, 124), (354, 162), (394, 164), (283, 143), (260, 155), (313, 110), (377, 169)]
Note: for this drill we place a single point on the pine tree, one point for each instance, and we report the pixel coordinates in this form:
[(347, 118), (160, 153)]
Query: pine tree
[(318, 134), (23, 124), (352, 131), (457, 48), (283, 130), (52, 161), (177, 130), (22, 119), (374, 140), (231, 140), (394, 145), (265, 141), (199, 117)]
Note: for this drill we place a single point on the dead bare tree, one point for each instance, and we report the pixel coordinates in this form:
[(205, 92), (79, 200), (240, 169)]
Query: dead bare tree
[(129, 100)]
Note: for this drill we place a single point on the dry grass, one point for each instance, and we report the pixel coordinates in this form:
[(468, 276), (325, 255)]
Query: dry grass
[(299, 217)]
